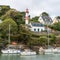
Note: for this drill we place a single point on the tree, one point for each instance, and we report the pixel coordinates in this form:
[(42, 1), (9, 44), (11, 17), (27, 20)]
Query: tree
[(56, 26), (15, 15), (43, 40), (25, 34), (5, 28), (5, 25), (3, 9), (45, 14), (52, 38), (35, 19)]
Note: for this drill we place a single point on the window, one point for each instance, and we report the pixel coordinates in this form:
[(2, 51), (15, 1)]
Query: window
[(34, 29), (38, 30), (41, 30)]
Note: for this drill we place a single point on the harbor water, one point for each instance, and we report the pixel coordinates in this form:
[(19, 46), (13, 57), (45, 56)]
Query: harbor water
[(35, 57)]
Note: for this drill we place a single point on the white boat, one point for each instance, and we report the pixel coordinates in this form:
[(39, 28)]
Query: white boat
[(49, 51), (52, 51), (28, 52), (10, 51)]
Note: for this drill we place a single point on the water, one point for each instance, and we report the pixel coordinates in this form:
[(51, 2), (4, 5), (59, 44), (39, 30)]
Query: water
[(36, 57)]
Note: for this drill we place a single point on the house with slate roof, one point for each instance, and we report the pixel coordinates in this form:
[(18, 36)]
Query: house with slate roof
[(36, 27)]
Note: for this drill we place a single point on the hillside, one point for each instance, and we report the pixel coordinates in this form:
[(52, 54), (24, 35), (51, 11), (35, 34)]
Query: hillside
[(18, 30)]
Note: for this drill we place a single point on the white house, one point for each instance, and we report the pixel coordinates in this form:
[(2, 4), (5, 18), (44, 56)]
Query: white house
[(36, 27)]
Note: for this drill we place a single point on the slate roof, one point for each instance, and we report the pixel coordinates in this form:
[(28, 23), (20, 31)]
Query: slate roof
[(37, 24)]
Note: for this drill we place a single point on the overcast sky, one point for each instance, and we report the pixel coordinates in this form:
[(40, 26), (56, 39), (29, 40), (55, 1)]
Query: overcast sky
[(36, 7)]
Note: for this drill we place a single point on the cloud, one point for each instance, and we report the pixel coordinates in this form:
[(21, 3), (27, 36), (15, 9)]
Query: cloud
[(35, 6)]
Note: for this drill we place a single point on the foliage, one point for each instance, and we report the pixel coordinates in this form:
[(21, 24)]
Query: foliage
[(56, 26), (25, 34), (3, 9), (5, 25), (43, 40), (35, 19), (58, 17), (5, 28), (44, 13), (52, 38), (15, 15), (38, 41)]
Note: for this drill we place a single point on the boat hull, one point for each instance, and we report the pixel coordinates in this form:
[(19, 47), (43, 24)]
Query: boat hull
[(52, 51), (10, 51), (28, 53)]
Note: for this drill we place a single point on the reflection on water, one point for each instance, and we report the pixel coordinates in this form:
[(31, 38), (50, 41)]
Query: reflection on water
[(35, 57)]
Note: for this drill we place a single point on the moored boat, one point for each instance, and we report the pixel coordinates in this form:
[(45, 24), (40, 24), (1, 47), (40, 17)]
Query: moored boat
[(28, 52), (10, 51), (49, 51)]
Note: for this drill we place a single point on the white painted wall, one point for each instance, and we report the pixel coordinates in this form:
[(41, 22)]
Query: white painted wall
[(40, 28), (26, 21)]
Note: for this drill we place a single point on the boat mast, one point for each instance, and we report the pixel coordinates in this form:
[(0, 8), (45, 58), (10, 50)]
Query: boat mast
[(48, 35), (9, 34)]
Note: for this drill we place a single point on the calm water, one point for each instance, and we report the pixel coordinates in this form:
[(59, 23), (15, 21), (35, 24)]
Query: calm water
[(36, 57)]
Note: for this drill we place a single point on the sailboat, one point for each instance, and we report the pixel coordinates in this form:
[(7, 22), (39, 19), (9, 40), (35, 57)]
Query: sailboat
[(10, 49)]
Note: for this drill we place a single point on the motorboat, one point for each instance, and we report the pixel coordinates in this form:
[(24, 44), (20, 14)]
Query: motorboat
[(52, 51), (49, 51), (28, 52), (10, 51)]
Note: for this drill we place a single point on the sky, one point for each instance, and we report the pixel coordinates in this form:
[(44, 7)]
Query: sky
[(36, 7)]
